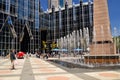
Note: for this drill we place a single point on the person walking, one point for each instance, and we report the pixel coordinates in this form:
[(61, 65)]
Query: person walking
[(12, 58), (3, 54)]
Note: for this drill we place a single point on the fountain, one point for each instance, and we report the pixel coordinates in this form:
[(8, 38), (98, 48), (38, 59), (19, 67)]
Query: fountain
[(102, 49)]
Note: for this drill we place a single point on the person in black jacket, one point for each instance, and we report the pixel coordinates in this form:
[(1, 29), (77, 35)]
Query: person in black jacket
[(12, 58)]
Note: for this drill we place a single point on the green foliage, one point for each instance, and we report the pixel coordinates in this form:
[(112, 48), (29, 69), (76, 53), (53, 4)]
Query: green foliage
[(44, 45), (54, 45)]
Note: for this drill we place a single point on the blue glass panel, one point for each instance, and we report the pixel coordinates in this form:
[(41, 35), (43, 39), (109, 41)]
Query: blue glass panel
[(61, 3), (8, 6)]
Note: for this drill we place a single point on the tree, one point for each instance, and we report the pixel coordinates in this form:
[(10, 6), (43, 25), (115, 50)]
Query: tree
[(44, 45), (53, 45)]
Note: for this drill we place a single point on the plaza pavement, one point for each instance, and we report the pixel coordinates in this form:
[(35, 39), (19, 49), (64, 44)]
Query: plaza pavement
[(38, 69)]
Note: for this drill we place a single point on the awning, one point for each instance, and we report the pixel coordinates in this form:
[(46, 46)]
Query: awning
[(78, 49), (55, 49)]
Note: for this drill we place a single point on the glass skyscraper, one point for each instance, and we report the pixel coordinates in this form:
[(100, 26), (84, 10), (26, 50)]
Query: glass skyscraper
[(66, 21), (19, 25)]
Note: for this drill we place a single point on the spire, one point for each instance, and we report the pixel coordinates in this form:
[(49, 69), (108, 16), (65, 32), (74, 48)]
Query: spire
[(66, 3), (53, 8), (81, 1)]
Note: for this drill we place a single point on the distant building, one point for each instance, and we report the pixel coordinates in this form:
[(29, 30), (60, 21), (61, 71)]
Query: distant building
[(54, 3), (57, 3), (63, 21)]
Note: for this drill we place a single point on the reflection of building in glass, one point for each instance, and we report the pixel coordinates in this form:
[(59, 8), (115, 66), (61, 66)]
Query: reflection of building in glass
[(68, 1), (66, 20), (53, 3), (20, 17), (57, 3), (61, 3)]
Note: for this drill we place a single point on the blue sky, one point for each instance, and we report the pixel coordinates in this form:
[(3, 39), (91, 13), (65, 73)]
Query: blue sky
[(114, 12)]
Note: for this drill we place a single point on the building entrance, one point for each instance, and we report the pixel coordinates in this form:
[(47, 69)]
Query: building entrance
[(25, 43)]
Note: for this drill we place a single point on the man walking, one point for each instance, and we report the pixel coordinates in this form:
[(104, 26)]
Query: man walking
[(12, 58)]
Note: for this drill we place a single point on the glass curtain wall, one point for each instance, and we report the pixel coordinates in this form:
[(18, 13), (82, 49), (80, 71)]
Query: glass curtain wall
[(24, 18), (75, 21), (8, 14), (36, 41)]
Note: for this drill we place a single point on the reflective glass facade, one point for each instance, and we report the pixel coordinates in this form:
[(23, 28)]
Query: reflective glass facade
[(72, 18), (24, 16), (64, 21), (58, 3)]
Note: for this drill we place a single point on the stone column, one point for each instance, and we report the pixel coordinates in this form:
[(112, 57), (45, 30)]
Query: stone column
[(102, 49), (101, 19)]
